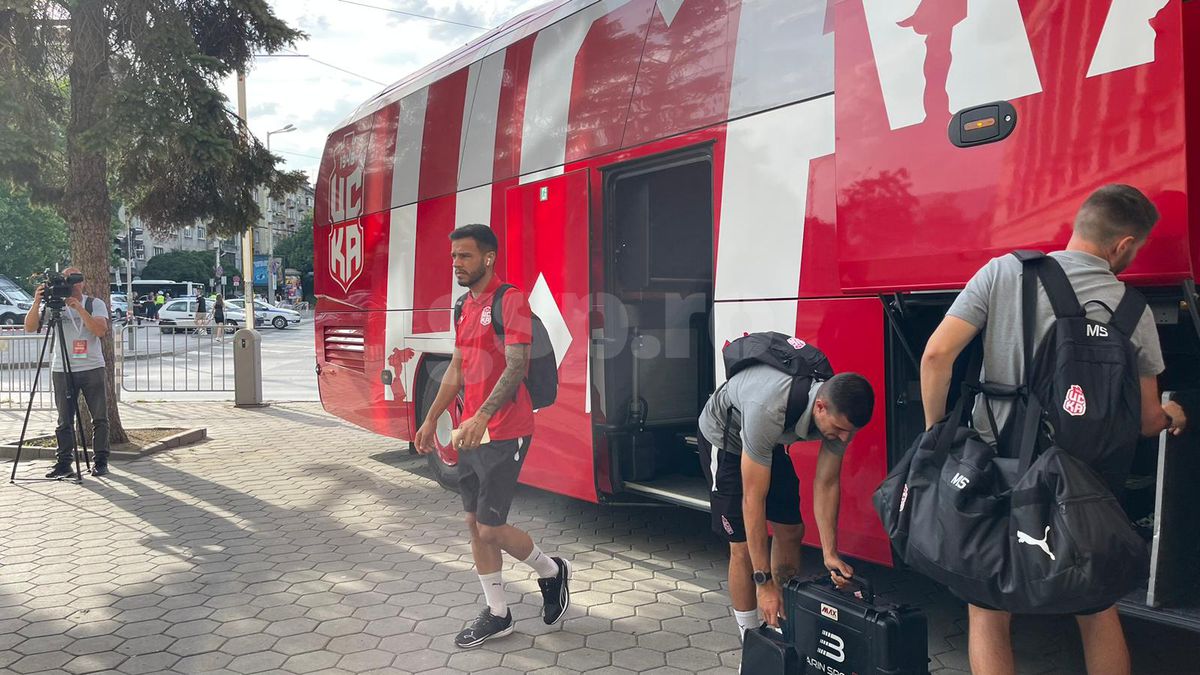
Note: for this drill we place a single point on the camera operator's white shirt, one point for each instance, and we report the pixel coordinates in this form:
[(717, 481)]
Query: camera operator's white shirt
[(75, 330)]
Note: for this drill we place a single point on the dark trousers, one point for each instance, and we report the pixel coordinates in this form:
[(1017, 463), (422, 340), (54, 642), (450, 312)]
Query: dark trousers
[(92, 384)]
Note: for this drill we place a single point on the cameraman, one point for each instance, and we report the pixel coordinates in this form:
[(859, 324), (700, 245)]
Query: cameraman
[(84, 323)]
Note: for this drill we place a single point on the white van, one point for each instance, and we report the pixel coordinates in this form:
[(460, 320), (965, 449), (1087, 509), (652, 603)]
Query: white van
[(14, 303)]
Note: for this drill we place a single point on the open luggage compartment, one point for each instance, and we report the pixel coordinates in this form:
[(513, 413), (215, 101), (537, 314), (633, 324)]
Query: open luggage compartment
[(1160, 498)]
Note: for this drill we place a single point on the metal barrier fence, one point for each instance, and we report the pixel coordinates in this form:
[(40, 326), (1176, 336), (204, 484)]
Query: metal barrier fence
[(19, 353), (180, 357)]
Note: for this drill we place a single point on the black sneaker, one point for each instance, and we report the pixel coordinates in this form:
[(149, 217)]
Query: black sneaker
[(100, 469), (485, 627), (556, 593), (61, 471)]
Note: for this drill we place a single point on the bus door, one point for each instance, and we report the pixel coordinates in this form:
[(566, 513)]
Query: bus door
[(656, 338), (545, 252)]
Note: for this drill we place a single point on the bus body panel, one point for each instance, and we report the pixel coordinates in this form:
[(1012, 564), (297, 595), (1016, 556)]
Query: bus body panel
[(1099, 96), (803, 236)]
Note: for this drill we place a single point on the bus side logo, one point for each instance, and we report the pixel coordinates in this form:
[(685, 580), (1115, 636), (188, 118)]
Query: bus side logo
[(345, 253), (346, 179)]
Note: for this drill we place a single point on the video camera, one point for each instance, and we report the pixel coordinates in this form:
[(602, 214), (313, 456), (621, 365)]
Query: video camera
[(58, 287)]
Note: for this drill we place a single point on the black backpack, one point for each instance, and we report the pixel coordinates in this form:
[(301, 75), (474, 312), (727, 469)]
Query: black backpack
[(804, 362), (1082, 382), (542, 378), (1041, 531)]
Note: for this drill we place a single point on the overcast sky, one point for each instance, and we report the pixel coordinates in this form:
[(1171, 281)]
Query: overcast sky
[(377, 45)]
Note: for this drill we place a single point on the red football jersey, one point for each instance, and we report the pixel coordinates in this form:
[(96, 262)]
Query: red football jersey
[(483, 358)]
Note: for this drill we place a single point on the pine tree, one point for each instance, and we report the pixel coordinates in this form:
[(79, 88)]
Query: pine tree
[(104, 98)]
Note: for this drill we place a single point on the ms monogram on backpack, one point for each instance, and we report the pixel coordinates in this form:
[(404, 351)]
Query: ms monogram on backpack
[(1034, 527)]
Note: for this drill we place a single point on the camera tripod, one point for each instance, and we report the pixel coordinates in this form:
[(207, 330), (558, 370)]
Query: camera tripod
[(54, 329)]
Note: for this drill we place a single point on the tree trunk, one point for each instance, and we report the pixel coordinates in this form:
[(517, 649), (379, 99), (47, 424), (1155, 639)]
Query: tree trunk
[(86, 205)]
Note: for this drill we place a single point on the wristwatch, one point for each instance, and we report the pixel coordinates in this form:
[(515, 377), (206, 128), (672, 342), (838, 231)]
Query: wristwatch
[(761, 577)]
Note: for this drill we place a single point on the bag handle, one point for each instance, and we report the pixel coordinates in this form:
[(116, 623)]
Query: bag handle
[(970, 386), (868, 591)]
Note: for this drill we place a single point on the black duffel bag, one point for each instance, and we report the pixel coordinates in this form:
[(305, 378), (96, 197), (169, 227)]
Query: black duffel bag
[(1042, 536)]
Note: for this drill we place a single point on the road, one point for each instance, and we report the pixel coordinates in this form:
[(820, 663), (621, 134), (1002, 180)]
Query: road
[(288, 369), (159, 366)]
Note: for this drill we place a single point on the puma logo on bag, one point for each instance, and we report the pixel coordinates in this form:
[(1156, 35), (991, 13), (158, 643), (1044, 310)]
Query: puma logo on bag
[(1040, 543)]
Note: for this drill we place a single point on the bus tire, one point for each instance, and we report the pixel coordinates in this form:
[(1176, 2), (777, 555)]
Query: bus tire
[(443, 460)]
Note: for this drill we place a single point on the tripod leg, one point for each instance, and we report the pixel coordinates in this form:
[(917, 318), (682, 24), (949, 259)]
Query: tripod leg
[(29, 408)]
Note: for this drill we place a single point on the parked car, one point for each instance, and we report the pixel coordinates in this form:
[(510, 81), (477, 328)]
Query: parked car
[(14, 302), (14, 307), (118, 305), (278, 317), (178, 315)]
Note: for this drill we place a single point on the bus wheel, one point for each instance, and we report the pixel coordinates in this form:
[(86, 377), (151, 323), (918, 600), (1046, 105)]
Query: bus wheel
[(443, 461)]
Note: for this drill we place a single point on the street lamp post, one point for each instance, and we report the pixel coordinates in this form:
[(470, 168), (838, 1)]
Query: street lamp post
[(271, 226)]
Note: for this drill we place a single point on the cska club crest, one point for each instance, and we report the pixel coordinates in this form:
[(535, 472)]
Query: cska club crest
[(346, 253), (346, 179), (1075, 403)]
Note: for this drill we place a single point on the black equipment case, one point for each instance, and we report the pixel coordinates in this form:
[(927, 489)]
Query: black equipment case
[(845, 632)]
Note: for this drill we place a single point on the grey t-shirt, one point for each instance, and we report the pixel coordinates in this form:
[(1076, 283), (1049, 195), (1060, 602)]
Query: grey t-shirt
[(992, 302), (74, 329), (759, 396)]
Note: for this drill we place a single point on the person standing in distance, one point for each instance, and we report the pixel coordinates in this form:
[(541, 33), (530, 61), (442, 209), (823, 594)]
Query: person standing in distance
[(1110, 228), (494, 436), (201, 311), (84, 322), (755, 482)]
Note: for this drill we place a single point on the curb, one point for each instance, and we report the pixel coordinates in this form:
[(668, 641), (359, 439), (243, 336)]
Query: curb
[(187, 437)]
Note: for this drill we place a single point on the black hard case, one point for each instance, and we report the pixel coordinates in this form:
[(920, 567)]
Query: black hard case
[(844, 632)]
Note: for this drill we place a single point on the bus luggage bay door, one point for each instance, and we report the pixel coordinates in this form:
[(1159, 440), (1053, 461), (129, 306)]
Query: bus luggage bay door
[(546, 251)]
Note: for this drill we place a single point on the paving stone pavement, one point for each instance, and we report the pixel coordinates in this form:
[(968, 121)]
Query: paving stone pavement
[(290, 542)]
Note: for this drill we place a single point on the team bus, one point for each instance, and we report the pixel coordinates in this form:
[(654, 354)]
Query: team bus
[(177, 289), (666, 175)]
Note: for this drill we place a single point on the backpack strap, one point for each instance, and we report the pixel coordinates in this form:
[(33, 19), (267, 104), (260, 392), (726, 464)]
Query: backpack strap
[(797, 401), (88, 303), (1129, 312), (1031, 262), (1058, 289), (458, 305), (498, 309), (1034, 268)]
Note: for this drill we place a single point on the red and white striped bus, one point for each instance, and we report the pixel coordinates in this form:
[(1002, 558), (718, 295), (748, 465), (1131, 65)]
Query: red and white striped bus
[(665, 175)]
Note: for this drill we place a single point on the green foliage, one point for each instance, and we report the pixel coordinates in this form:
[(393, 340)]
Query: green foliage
[(174, 148), (297, 249), (32, 238), (194, 266)]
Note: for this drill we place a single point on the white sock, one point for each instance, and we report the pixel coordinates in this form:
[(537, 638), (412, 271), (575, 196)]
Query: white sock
[(541, 563), (748, 620), (493, 592)]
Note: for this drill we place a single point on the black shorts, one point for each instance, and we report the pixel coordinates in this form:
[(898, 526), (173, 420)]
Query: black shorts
[(783, 497), (487, 478), (1086, 612)]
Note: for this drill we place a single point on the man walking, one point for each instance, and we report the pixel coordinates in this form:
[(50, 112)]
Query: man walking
[(494, 437), (84, 322), (201, 311), (1110, 227), (755, 482)]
